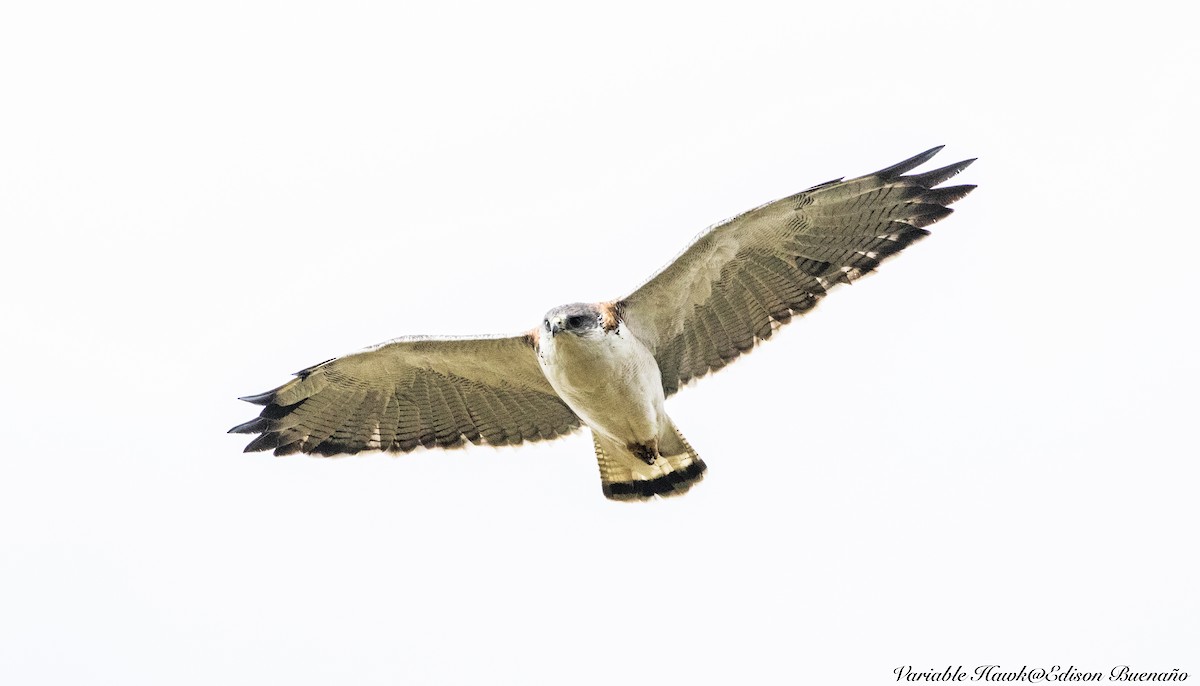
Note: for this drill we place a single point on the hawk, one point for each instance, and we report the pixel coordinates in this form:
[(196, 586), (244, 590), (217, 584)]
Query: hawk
[(611, 365)]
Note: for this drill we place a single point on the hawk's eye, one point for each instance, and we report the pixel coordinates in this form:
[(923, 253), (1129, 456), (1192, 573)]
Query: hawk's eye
[(577, 321)]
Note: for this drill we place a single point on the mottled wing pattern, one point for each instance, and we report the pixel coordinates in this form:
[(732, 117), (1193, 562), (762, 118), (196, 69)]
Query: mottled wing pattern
[(742, 279), (416, 391)]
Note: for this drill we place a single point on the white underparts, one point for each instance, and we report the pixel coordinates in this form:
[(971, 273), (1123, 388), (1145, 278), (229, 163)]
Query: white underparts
[(610, 379)]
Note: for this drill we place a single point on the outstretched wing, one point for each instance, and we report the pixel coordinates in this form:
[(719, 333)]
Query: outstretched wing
[(741, 279), (414, 391)]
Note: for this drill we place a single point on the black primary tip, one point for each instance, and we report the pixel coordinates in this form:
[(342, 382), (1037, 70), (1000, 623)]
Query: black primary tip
[(947, 195), (268, 441), (911, 163), (260, 399), (254, 426), (930, 179)]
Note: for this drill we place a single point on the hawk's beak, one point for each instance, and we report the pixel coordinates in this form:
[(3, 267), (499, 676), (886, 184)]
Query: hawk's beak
[(554, 329)]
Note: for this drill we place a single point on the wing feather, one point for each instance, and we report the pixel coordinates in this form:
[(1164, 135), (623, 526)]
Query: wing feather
[(410, 392), (743, 278)]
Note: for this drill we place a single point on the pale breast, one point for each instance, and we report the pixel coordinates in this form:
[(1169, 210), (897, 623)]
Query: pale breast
[(611, 381)]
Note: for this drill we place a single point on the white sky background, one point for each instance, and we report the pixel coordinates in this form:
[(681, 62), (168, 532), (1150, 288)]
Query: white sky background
[(983, 454)]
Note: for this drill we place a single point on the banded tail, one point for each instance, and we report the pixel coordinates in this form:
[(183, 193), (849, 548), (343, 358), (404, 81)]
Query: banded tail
[(665, 468)]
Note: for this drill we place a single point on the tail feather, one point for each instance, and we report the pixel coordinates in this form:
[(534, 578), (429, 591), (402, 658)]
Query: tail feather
[(625, 476)]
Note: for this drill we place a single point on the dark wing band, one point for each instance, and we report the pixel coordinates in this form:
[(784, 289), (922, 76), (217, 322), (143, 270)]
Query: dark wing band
[(417, 391), (742, 279)]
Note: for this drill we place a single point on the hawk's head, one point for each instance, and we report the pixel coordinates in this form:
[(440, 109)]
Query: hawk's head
[(579, 319)]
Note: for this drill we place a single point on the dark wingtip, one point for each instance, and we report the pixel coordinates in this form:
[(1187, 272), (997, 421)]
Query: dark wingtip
[(266, 441), (260, 399), (254, 426), (924, 214), (947, 194), (930, 179), (911, 163), (288, 448)]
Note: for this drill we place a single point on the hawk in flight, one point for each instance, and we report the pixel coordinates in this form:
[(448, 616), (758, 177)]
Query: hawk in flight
[(611, 365)]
